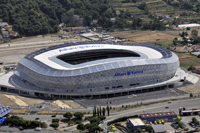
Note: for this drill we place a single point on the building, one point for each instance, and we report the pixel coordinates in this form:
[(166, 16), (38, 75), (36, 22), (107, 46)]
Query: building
[(94, 70), (151, 117), (183, 26), (189, 112), (160, 128), (136, 123)]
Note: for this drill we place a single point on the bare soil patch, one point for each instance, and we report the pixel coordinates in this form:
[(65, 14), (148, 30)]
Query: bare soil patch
[(195, 90), (16, 100), (6, 101), (31, 101), (145, 36)]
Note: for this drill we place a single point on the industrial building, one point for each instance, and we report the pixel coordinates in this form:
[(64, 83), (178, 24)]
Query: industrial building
[(151, 117), (189, 112), (135, 123)]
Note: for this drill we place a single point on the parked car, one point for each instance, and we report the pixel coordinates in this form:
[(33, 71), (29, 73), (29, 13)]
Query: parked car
[(38, 129)]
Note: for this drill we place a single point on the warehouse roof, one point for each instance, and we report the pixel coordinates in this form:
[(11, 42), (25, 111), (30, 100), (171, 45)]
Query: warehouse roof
[(159, 114)]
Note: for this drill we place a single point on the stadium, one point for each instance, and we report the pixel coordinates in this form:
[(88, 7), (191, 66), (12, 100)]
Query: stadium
[(95, 69)]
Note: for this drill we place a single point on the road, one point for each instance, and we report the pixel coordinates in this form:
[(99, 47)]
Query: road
[(159, 107)]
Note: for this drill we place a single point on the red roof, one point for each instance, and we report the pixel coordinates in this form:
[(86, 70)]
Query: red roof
[(159, 114)]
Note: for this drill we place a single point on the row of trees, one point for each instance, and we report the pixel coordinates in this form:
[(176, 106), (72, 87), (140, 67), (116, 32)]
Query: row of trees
[(98, 111), (77, 115), (19, 121)]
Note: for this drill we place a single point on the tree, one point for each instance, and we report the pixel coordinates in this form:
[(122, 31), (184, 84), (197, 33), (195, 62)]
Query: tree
[(149, 129), (67, 115), (94, 111), (139, 130), (78, 115), (175, 41), (88, 126), (143, 6), (71, 123), (54, 125), (80, 126), (100, 111), (55, 120), (104, 111), (196, 40), (95, 121), (102, 118), (194, 33), (108, 110), (44, 125)]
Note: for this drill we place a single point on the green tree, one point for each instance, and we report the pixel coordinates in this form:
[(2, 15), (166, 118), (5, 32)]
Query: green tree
[(55, 120), (108, 110), (102, 118), (143, 6), (139, 130), (54, 125), (78, 115), (94, 111), (67, 115), (80, 126), (104, 111), (95, 120), (194, 33), (100, 111), (71, 122), (175, 41), (149, 129), (44, 125)]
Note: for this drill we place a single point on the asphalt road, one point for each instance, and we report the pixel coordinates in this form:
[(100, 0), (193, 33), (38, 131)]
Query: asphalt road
[(159, 107)]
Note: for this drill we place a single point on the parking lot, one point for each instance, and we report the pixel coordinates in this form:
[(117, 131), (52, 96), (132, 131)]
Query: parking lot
[(185, 120)]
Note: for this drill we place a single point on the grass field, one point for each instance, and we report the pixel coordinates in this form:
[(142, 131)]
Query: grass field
[(164, 38), (186, 60), (145, 36)]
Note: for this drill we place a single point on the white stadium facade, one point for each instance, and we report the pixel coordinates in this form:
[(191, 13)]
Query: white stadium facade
[(95, 69)]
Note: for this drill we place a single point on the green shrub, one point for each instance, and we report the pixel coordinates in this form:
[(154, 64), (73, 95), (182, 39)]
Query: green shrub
[(55, 120)]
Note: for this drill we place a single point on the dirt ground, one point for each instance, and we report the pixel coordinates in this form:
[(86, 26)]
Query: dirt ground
[(31, 101), (6, 101), (195, 90), (13, 100), (69, 104), (145, 36)]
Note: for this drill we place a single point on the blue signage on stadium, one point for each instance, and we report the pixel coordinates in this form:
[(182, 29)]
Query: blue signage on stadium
[(128, 73), (80, 47)]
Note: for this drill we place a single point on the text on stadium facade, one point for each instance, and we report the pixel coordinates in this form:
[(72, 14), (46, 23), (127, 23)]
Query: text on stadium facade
[(128, 73), (80, 47)]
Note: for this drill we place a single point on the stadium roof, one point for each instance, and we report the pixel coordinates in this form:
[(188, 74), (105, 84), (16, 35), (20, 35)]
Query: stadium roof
[(45, 61)]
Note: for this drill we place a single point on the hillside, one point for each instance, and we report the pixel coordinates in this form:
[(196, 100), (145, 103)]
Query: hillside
[(32, 17), (179, 11)]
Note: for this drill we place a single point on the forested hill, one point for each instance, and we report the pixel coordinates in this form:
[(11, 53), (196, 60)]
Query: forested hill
[(32, 17)]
